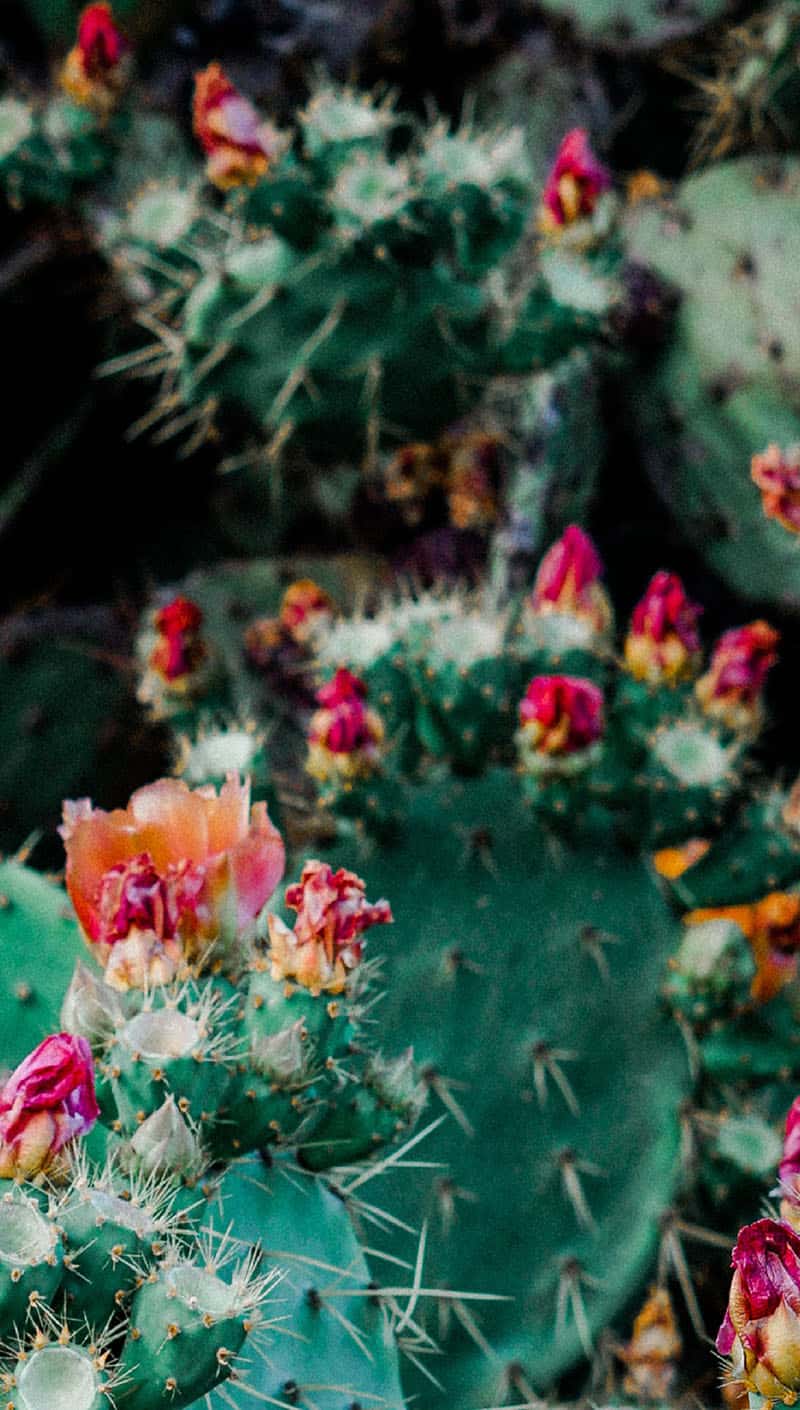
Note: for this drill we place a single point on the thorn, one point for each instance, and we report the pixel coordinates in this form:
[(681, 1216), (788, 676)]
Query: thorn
[(592, 941), (572, 1167), (547, 1062)]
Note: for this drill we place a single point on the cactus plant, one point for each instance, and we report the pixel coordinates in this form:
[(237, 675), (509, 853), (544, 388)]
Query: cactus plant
[(164, 1158), (724, 390), (529, 904)]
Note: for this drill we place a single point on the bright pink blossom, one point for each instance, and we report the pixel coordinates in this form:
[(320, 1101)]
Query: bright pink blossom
[(568, 580), (332, 915), (574, 182), (663, 643), (46, 1102), (562, 714), (762, 1321)]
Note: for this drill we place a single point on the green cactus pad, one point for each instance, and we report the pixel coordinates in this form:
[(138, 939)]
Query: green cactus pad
[(341, 1351), (30, 1258), (727, 385), (39, 943), (56, 1377), (624, 25), (502, 931)]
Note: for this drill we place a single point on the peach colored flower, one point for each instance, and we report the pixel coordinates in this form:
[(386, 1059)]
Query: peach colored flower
[(239, 145), (157, 884)]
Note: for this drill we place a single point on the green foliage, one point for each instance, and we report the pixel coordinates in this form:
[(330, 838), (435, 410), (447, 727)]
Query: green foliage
[(48, 153), (726, 385), (35, 921)]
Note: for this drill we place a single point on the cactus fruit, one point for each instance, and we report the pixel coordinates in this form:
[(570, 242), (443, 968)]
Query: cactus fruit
[(724, 391), (500, 816)]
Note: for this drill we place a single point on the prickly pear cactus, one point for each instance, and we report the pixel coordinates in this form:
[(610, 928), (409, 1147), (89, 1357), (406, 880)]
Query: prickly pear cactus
[(633, 25), (313, 307), (33, 911), (510, 775), (163, 1157), (719, 413)]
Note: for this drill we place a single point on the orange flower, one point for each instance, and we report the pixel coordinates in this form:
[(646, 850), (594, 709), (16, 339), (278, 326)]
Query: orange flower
[(96, 67), (239, 145), (160, 882), (672, 862), (777, 474), (772, 926)]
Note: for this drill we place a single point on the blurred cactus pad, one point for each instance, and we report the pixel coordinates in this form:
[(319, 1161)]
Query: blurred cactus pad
[(533, 930)]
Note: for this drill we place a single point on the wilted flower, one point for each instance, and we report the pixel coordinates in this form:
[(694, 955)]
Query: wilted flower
[(46, 1102), (562, 714), (772, 926), (653, 1350), (305, 609), (730, 690), (161, 881), (325, 942), (412, 474), (663, 644), (568, 581), (345, 736), (180, 648), (239, 145), (473, 478), (574, 182), (777, 474), (761, 1329), (95, 69)]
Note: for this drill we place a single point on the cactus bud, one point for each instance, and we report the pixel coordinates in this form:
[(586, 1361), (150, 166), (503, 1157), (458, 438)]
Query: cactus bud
[(731, 688), (575, 181), (568, 582), (305, 609), (96, 67), (776, 472), (91, 1008), (239, 145), (561, 718), (663, 643), (325, 943), (165, 1143), (48, 1101), (761, 1329), (345, 736)]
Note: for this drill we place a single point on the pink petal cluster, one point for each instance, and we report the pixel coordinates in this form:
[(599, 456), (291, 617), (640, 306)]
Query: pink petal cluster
[(332, 915), (568, 581), (48, 1101), (238, 144), (761, 1328), (663, 643), (95, 68), (574, 182), (731, 688), (776, 472), (562, 714), (344, 735)]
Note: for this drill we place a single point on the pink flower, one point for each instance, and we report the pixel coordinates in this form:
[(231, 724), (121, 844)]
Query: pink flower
[(568, 581), (46, 1102), (179, 650), (663, 642), (157, 883), (239, 146), (762, 1326), (777, 474), (561, 714), (344, 735), (325, 943), (731, 688), (574, 182), (95, 68)]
